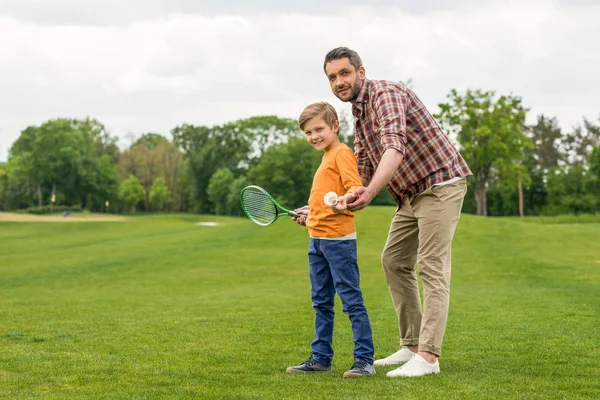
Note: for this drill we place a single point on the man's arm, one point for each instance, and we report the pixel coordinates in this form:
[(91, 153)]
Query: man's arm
[(390, 109), (390, 161)]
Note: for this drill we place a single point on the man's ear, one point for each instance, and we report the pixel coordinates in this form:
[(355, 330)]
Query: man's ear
[(361, 72)]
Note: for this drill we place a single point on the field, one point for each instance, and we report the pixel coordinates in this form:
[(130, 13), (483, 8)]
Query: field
[(162, 307)]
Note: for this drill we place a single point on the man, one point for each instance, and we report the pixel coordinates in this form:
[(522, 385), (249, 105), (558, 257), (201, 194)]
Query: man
[(398, 143)]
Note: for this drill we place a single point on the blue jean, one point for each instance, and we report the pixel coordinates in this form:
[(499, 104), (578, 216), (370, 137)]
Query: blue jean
[(334, 268)]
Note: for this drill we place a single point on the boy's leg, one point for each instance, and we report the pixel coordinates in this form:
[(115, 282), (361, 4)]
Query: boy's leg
[(342, 258), (438, 211), (322, 294), (398, 259)]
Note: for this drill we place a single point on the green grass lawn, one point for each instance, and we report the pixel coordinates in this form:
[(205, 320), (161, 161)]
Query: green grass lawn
[(160, 307)]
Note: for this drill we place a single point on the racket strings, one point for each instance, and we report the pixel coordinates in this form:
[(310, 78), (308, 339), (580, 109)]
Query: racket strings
[(259, 206)]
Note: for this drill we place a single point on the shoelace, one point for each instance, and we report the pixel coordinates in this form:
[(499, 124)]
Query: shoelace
[(310, 362), (360, 365), (413, 361)]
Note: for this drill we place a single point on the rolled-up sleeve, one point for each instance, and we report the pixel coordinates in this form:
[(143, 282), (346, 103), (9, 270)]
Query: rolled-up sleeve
[(390, 109)]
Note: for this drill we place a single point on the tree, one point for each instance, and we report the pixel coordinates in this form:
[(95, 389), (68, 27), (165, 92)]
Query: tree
[(490, 134), (234, 145), (580, 142), (233, 195), (131, 192), (594, 170), (3, 185), (150, 157), (207, 150), (346, 134), (286, 171), (150, 140), (546, 136), (160, 196), (569, 191), (77, 157), (218, 190), (264, 132)]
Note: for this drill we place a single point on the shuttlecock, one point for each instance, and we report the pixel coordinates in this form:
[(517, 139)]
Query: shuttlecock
[(330, 199)]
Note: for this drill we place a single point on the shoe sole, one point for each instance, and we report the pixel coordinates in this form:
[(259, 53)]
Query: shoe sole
[(412, 376), (354, 375), (295, 371), (389, 363)]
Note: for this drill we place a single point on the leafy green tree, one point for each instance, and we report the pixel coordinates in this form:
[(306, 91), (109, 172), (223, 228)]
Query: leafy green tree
[(595, 161), (346, 134), (546, 136), (160, 196), (207, 150), (594, 170), (3, 186), (150, 157), (233, 195), (569, 191), (236, 145), (150, 140), (286, 171), (75, 157), (131, 192), (264, 132), (490, 132), (218, 190), (580, 142)]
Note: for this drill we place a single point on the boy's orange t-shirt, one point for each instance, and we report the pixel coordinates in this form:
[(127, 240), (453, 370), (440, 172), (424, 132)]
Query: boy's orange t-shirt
[(337, 173)]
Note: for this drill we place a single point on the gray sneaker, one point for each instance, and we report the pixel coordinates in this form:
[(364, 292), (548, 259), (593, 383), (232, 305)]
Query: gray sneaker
[(360, 368), (310, 365)]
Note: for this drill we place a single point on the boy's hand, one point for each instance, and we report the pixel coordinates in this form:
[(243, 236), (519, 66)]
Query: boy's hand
[(302, 210), (342, 202)]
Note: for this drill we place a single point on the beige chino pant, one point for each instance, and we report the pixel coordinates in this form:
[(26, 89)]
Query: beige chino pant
[(421, 233)]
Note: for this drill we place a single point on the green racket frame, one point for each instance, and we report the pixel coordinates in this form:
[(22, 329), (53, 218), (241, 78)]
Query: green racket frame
[(263, 216)]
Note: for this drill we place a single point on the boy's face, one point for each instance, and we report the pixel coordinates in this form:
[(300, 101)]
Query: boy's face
[(344, 79), (320, 135)]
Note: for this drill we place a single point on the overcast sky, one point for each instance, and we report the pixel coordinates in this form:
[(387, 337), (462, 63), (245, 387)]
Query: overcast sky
[(140, 66)]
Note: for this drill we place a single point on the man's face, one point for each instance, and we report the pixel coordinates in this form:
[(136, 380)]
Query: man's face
[(344, 79)]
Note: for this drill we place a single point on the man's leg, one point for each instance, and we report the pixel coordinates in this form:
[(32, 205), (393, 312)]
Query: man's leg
[(438, 211), (399, 258)]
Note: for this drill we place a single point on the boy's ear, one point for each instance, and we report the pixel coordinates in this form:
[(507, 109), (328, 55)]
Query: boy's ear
[(336, 127)]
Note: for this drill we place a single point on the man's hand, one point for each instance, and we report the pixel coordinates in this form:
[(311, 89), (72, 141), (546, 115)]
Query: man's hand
[(342, 202), (364, 197), (302, 210)]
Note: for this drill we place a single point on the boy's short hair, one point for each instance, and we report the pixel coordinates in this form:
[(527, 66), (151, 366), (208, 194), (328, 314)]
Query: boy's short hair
[(320, 109), (343, 52)]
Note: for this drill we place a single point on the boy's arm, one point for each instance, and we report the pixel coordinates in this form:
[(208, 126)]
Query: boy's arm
[(348, 169)]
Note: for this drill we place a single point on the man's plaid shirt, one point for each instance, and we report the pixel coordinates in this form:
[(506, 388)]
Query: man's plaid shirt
[(389, 115)]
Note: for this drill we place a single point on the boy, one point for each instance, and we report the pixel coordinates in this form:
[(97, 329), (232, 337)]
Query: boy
[(332, 251)]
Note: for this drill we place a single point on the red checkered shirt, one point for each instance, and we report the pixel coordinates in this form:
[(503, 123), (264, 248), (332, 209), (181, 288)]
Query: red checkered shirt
[(391, 116)]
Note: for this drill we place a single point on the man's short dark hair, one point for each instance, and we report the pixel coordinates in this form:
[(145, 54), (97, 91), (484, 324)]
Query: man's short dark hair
[(343, 52)]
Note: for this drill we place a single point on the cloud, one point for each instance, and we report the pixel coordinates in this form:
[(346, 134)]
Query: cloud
[(117, 12), (151, 66)]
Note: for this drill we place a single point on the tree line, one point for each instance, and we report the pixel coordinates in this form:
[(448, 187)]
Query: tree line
[(518, 169)]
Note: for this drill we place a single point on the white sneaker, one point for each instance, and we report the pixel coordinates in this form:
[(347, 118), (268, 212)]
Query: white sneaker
[(399, 357), (416, 366)]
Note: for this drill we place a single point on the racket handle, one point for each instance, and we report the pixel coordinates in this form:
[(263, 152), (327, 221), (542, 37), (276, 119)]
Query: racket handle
[(293, 214)]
